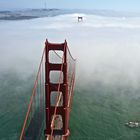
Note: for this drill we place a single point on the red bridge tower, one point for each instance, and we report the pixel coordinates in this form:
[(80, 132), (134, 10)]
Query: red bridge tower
[(52, 111)]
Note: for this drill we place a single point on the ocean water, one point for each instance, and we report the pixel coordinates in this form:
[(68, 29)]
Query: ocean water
[(107, 88)]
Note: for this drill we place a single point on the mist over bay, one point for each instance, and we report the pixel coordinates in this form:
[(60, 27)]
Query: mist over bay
[(107, 88)]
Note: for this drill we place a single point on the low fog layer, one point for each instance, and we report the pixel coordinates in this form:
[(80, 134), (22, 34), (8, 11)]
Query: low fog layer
[(107, 48)]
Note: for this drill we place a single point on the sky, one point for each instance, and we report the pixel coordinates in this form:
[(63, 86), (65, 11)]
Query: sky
[(118, 5)]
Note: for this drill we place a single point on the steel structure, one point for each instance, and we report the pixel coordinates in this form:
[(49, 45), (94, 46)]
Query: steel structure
[(41, 116)]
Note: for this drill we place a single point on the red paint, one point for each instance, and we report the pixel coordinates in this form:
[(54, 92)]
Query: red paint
[(50, 87)]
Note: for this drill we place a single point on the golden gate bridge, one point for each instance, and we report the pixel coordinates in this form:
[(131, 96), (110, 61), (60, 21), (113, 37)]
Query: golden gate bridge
[(47, 115)]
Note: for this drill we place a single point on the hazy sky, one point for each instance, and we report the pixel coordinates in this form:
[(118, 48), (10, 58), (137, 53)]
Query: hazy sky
[(123, 5)]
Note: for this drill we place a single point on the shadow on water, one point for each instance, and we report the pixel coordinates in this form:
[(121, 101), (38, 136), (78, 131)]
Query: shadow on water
[(34, 130)]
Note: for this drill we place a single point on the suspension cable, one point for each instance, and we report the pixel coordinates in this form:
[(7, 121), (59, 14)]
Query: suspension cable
[(57, 54), (31, 98), (71, 87)]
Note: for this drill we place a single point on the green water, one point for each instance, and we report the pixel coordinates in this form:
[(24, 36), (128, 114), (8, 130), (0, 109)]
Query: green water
[(14, 95), (99, 111)]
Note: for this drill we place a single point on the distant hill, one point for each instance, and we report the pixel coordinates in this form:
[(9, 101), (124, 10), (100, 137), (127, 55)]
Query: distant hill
[(37, 13), (28, 14)]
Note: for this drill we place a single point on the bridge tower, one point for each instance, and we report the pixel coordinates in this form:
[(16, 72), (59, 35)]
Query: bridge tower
[(62, 87), (40, 105)]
